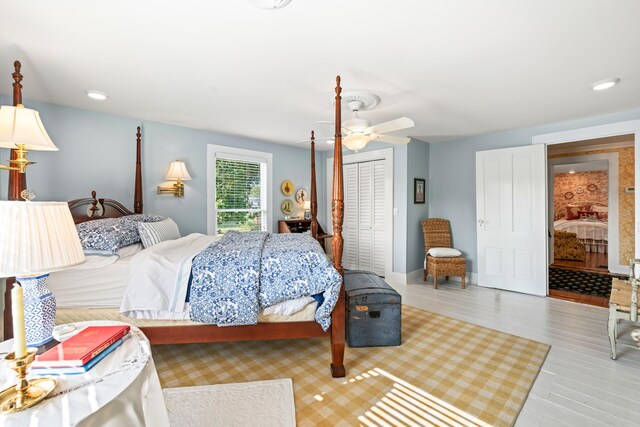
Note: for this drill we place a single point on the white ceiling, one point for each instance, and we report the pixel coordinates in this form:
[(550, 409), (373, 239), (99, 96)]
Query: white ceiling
[(456, 68)]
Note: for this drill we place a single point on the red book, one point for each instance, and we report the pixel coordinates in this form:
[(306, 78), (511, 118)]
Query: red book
[(82, 347)]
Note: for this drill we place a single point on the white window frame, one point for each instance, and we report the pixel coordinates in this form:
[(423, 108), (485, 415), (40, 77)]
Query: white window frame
[(221, 151)]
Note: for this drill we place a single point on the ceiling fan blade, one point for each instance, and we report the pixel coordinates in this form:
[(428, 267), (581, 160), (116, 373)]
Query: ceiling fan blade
[(316, 140), (392, 125), (392, 139)]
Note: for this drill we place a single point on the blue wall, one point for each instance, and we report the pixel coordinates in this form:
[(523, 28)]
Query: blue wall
[(417, 167), (452, 176), (97, 152)]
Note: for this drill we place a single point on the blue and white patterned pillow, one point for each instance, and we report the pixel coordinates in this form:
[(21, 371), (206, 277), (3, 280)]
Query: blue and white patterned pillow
[(106, 236)]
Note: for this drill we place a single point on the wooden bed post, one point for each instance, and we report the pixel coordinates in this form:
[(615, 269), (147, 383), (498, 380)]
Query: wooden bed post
[(137, 197), (314, 195), (17, 183), (338, 323), (17, 180)]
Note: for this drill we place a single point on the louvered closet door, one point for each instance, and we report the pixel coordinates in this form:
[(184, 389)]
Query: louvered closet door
[(365, 225), (377, 222), (364, 222), (350, 225)]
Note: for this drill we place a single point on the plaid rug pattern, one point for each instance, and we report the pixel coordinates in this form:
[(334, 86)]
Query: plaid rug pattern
[(580, 282), (445, 369)]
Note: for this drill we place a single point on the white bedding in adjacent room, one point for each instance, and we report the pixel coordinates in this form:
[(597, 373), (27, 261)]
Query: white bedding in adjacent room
[(593, 234)]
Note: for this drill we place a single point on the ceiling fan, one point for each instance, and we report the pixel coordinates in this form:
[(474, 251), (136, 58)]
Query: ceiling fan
[(358, 132)]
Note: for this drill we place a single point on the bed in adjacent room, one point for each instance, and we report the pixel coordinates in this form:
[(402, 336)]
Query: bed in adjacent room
[(167, 289), (589, 221)]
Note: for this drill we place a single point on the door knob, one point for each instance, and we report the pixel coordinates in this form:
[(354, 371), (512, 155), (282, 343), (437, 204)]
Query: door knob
[(481, 221)]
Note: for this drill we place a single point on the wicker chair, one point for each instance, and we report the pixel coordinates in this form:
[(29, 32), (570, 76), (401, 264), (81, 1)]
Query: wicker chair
[(437, 234)]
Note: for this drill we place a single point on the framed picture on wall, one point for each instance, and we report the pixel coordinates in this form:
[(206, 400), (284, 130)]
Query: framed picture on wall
[(418, 190)]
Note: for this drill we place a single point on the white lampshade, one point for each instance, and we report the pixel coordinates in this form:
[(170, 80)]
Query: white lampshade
[(19, 125), (307, 204), (356, 141), (36, 238), (178, 171)]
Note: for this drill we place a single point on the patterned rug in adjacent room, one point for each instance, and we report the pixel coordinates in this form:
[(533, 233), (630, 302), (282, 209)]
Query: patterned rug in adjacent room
[(445, 369), (580, 282)]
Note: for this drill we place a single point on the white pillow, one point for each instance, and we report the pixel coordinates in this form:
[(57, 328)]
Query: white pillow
[(288, 307), (152, 233), (129, 250), (444, 252)]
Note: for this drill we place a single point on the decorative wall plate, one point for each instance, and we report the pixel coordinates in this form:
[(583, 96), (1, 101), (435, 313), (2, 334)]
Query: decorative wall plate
[(287, 187), (579, 190), (286, 207), (301, 195), (568, 195), (592, 187)]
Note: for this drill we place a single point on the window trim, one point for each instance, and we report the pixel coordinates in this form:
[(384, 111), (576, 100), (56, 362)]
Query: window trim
[(232, 153)]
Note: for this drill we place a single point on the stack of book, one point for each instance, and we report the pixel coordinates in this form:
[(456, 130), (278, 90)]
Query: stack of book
[(81, 352)]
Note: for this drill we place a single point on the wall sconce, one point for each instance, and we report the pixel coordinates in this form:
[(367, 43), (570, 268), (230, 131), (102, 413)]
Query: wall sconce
[(22, 129), (177, 172)]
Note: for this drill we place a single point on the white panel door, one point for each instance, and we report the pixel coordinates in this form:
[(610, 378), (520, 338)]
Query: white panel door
[(512, 219), (378, 217), (350, 225)]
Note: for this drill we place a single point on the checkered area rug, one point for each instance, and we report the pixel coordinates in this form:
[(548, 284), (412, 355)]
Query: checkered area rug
[(445, 369), (580, 282)]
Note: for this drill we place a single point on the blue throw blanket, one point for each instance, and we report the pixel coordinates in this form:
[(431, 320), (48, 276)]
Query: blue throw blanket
[(242, 272)]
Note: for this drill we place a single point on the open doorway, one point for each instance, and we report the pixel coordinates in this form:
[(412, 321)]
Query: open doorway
[(592, 209)]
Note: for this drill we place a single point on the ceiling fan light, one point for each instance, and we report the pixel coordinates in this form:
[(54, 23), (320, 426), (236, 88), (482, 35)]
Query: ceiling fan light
[(356, 142)]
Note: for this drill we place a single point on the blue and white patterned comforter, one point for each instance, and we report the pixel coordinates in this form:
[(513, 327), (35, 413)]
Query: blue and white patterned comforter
[(243, 272)]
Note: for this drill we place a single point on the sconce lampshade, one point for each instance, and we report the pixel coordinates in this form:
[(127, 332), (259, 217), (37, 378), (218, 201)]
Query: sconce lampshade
[(19, 125), (356, 141), (178, 172), (36, 238)]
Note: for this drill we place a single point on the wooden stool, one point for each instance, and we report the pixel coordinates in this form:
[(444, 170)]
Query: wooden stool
[(437, 266), (619, 309)]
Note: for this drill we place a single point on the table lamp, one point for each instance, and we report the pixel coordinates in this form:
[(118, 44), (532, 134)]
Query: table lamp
[(36, 238)]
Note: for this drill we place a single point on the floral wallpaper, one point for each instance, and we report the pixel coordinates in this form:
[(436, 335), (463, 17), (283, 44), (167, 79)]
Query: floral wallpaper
[(581, 185), (626, 202)]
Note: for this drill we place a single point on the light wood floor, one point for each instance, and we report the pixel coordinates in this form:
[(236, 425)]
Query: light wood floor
[(579, 384)]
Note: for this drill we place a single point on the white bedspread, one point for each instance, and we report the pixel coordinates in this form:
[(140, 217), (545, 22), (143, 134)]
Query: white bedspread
[(159, 276), (593, 234)]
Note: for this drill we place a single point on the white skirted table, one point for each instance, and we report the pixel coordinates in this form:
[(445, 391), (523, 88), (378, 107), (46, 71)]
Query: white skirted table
[(123, 389)]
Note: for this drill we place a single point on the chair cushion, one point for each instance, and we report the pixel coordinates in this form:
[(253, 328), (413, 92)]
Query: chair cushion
[(444, 252)]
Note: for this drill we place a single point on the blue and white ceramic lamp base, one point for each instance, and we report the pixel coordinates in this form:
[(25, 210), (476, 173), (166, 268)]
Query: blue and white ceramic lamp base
[(39, 310)]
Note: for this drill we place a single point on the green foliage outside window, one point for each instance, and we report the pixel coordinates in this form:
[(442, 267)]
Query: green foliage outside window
[(238, 196)]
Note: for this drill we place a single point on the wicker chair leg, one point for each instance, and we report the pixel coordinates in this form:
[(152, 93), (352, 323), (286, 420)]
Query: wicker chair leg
[(463, 281), (425, 275), (435, 281), (446, 278)]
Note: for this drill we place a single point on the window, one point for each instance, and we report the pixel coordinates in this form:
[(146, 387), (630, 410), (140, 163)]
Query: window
[(239, 190)]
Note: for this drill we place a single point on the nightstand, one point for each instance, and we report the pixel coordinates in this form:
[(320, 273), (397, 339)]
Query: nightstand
[(123, 389)]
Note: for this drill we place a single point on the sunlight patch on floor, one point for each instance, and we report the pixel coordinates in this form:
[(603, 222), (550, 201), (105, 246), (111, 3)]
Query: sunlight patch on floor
[(406, 404)]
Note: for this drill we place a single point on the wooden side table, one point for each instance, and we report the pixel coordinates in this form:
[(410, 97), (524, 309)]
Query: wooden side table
[(123, 389)]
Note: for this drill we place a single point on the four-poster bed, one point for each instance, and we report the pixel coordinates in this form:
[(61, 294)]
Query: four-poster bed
[(88, 209)]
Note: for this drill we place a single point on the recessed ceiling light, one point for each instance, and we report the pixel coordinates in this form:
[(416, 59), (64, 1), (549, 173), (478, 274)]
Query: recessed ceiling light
[(605, 84), (270, 4), (96, 94)]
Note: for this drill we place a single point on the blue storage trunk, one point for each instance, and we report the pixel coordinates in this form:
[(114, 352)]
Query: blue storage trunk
[(373, 316)]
